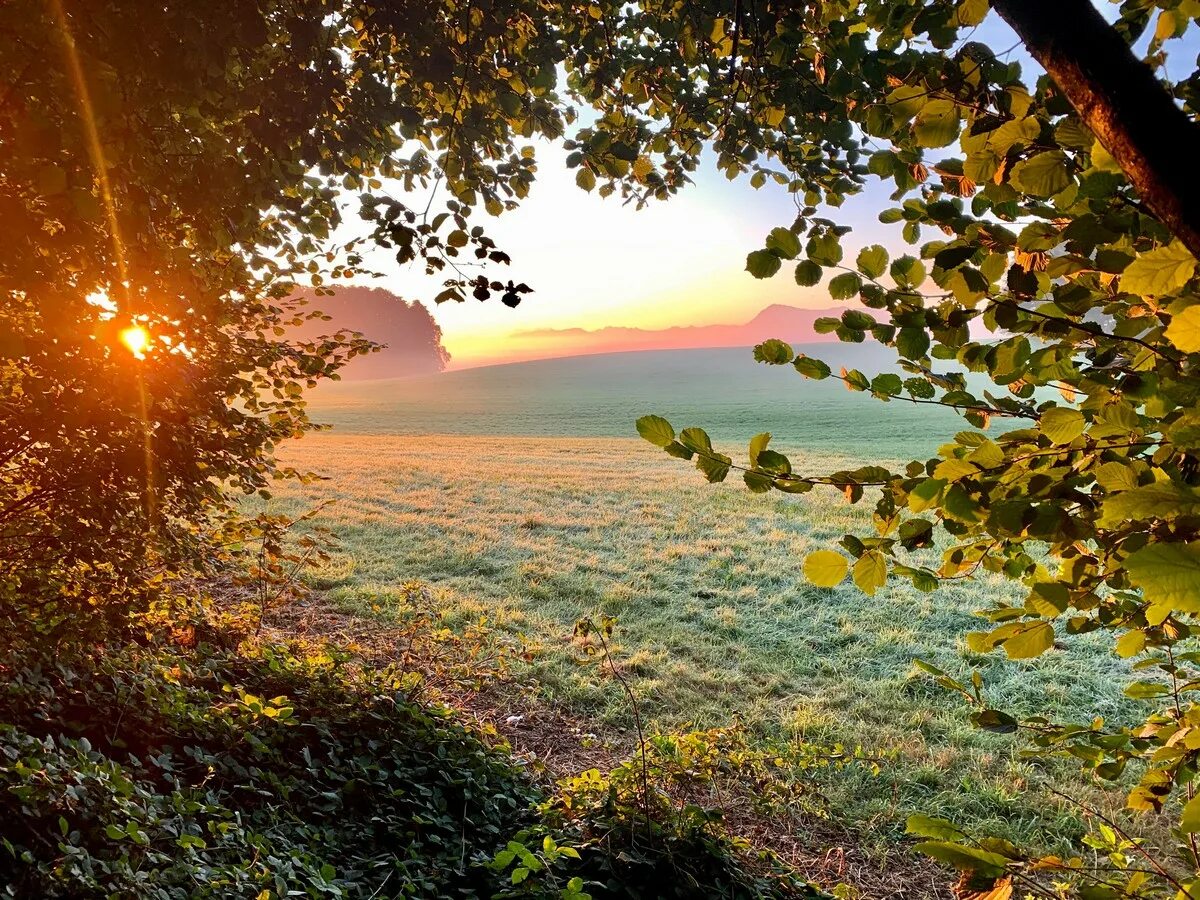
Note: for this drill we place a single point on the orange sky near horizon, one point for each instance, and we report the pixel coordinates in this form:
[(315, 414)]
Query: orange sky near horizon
[(595, 263)]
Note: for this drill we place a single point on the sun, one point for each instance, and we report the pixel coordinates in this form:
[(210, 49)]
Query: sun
[(136, 339)]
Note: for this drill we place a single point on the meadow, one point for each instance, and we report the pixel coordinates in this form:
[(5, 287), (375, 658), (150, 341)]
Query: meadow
[(520, 494)]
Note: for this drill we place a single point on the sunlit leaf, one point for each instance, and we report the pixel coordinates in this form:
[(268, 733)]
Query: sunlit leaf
[(825, 568)]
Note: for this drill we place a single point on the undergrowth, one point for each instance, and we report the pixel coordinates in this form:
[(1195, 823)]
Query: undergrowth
[(278, 771)]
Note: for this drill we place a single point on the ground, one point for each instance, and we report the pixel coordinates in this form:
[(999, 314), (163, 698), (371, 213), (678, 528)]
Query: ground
[(715, 623)]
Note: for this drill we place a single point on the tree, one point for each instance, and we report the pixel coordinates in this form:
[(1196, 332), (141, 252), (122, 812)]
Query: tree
[(410, 338), (1053, 220), (179, 168)]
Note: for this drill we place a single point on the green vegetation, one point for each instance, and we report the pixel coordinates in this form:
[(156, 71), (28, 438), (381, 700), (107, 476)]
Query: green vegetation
[(281, 772), (227, 774), (601, 396), (174, 171), (716, 620), (1054, 247)]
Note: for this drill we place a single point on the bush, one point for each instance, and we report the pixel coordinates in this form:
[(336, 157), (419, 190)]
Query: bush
[(267, 772), (160, 774)]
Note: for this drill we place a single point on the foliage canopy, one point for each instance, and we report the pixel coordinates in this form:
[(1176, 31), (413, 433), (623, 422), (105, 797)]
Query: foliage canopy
[(1045, 302), (184, 166)]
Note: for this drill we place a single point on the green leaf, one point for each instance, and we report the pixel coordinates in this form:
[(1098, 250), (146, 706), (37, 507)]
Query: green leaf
[(968, 859), (937, 124), (887, 384), (762, 263), (1169, 577), (826, 325), (913, 343), (825, 249), (758, 443), (925, 495), (1161, 271), (906, 100), (857, 319), (1048, 598), (1146, 690), (1115, 476), (808, 273), (1189, 820), (872, 261), (996, 721), (953, 257), (920, 388), (784, 243), (1062, 424), (930, 827), (882, 163), (715, 466), (757, 482), (696, 439), (811, 368), (908, 272), (825, 568), (870, 572), (775, 463), (1031, 639), (1043, 175), (844, 286), (1184, 330), (855, 380), (1162, 500), (656, 430), (679, 451), (773, 352), (586, 179)]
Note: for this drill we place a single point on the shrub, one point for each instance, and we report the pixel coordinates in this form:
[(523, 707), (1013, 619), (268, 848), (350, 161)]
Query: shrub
[(164, 774), (267, 772)]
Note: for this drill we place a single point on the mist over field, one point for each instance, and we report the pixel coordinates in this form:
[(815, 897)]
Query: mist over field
[(722, 390)]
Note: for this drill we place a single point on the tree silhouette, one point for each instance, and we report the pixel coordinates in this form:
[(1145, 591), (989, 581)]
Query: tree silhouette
[(410, 339)]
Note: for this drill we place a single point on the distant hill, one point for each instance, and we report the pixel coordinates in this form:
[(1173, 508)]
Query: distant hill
[(413, 339), (790, 323)]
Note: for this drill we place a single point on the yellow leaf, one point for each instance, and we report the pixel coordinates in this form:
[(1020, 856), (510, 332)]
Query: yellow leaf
[(1031, 639), (954, 469), (1184, 330), (870, 572), (1062, 424), (1160, 271), (825, 568), (1131, 644)]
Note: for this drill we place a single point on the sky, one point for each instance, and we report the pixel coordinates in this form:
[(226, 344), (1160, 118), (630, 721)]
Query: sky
[(593, 262)]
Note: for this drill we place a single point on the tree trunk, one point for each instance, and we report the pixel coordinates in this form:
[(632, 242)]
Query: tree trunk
[(1121, 101)]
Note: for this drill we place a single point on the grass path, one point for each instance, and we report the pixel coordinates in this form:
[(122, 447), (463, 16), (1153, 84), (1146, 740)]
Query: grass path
[(715, 620)]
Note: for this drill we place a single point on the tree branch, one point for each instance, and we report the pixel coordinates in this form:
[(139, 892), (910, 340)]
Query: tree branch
[(1119, 98)]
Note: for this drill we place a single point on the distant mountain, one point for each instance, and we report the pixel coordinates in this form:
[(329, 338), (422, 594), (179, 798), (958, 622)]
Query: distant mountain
[(412, 339), (790, 323)]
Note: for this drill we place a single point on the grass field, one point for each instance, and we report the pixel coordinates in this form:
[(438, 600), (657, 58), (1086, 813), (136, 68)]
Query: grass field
[(534, 531)]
